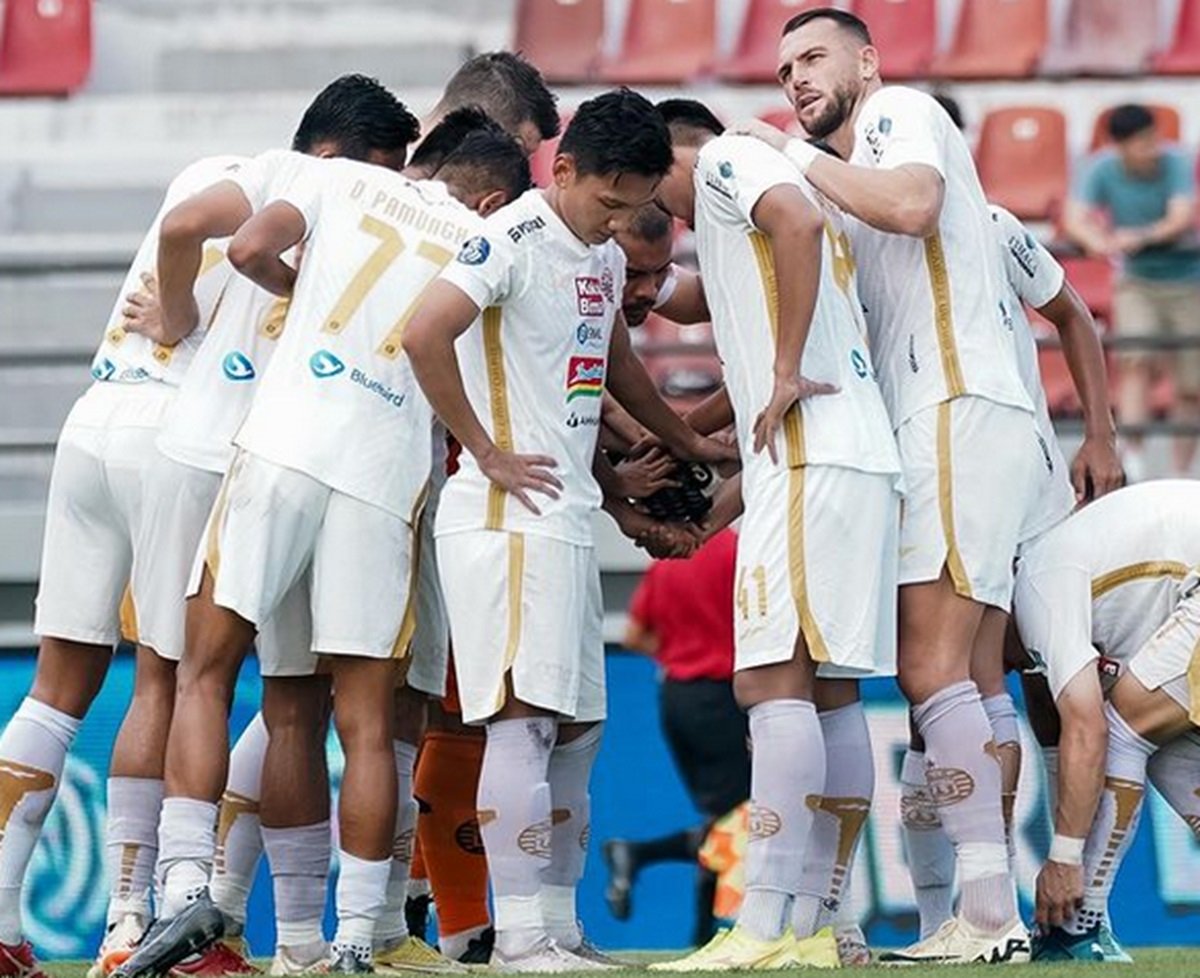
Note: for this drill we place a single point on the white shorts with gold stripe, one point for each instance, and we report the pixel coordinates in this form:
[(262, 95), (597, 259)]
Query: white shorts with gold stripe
[(179, 499), (529, 607), (274, 529), (971, 478), (817, 555), (94, 510), (1170, 659)]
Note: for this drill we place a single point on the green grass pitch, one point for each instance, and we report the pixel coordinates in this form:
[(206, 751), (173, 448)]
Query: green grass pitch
[(1162, 962)]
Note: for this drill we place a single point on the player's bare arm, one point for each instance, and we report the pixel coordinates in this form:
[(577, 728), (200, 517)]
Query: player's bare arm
[(444, 315), (712, 414), (1096, 468), (1081, 750), (794, 228), (214, 213), (727, 506), (258, 247), (662, 540), (905, 199), (687, 303), (624, 430), (632, 386)]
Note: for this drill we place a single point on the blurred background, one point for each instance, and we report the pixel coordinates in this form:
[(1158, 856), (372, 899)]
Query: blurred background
[(103, 101)]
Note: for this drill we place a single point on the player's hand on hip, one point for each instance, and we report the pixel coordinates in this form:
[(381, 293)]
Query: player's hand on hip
[(142, 313), (775, 138), (1059, 893), (522, 475), (788, 392), (1096, 469)]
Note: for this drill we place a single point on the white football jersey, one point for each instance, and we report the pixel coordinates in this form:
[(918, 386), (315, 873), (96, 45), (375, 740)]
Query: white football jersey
[(1099, 584), (339, 401), (533, 364), (216, 394), (130, 358), (1033, 277), (849, 428), (933, 305)]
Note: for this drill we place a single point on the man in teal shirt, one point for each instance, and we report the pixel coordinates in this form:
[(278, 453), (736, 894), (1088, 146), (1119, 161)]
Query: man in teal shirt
[(1136, 203)]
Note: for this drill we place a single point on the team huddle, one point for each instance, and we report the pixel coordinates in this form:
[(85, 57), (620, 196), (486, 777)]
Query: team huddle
[(358, 406)]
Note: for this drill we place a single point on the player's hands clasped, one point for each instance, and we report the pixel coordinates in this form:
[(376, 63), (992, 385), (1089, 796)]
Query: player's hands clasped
[(1096, 469), (787, 392), (775, 138), (521, 475), (1059, 893), (644, 476)]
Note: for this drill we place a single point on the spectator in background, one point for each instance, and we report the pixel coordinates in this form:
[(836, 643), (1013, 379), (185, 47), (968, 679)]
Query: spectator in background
[(1137, 204), (682, 615)]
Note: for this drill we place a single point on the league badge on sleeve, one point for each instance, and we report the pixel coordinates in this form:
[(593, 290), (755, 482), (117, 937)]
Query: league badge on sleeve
[(474, 251)]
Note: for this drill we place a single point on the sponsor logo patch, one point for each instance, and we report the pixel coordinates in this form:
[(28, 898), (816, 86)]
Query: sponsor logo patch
[(534, 840), (917, 812), (859, 363), (764, 822), (949, 785), (475, 251), (468, 837), (324, 364), (1108, 667), (237, 366), (518, 231), (585, 377), (104, 370), (589, 295), (589, 336)]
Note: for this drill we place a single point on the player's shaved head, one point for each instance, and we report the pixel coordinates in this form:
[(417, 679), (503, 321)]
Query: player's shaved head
[(843, 18), (691, 123), (356, 117), (510, 90), (486, 161)]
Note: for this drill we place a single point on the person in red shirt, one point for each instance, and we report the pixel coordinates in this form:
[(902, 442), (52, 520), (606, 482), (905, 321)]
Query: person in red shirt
[(682, 615)]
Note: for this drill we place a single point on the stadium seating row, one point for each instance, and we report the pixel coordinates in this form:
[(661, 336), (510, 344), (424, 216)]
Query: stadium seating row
[(672, 41)]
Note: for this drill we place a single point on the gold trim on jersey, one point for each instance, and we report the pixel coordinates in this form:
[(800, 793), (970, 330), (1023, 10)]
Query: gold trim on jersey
[(393, 344), (128, 616), (271, 325), (1135, 572), (213, 256), (954, 561), (793, 421), (493, 357), (943, 314), (818, 651), (516, 594), (408, 623), (1193, 681), (390, 247)]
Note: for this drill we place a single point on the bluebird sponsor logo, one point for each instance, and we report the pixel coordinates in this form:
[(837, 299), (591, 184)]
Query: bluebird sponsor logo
[(474, 251), (324, 364), (859, 363), (104, 370), (237, 366), (377, 387)]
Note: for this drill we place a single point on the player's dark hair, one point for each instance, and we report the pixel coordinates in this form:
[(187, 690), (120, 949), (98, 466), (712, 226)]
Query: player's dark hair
[(448, 134), (650, 223), (618, 132), (487, 159), (1128, 121), (843, 18), (507, 87), (689, 121), (950, 104), (359, 115)]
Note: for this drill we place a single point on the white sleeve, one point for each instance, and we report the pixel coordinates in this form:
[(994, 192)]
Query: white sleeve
[(901, 126), (667, 289), (303, 193), (734, 172), (486, 268), (1053, 612), (1034, 273)]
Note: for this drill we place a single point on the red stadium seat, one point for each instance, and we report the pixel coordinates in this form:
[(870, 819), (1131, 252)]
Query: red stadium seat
[(666, 41), (561, 37), (905, 31), (784, 119), (541, 162), (1105, 37), (45, 47), (1166, 117), (1056, 375), (757, 53), (1093, 280), (995, 39), (1022, 160), (1183, 56)]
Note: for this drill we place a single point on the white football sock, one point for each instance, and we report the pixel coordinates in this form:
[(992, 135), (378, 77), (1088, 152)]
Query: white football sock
[(393, 927), (33, 750), (361, 894), (1006, 731), (131, 844), (455, 945), (569, 775), (239, 832), (787, 775), (187, 841), (1175, 771), (1116, 821), (930, 851), (839, 819), (299, 860), (514, 820)]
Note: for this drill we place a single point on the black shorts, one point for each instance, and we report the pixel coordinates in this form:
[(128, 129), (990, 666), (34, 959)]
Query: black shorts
[(708, 736)]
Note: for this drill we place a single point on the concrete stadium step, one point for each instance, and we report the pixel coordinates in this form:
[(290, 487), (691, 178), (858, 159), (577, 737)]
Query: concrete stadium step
[(37, 399), (59, 313)]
